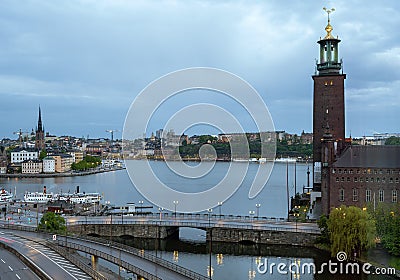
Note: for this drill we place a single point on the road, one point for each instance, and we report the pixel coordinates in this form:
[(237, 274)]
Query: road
[(11, 267), (50, 262), (149, 263)]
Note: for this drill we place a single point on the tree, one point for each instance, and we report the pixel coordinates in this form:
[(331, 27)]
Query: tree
[(351, 230), (323, 225), (388, 227), (52, 222), (42, 154), (393, 140)]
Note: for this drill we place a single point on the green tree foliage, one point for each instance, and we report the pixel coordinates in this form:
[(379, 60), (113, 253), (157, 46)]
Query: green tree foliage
[(87, 163), (351, 230), (323, 225), (52, 222), (223, 149), (392, 141), (388, 226), (42, 154)]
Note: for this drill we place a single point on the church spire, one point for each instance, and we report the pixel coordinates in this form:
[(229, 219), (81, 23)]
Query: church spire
[(40, 125), (39, 141)]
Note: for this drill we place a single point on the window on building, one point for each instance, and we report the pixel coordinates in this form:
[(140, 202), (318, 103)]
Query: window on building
[(361, 179), (391, 180), (337, 179), (364, 171), (380, 171), (358, 171), (348, 179), (355, 194), (368, 195), (351, 171), (394, 196), (381, 195), (342, 179), (340, 171), (383, 180), (378, 180), (366, 180), (372, 180), (397, 180), (355, 179), (387, 171), (341, 195), (345, 171)]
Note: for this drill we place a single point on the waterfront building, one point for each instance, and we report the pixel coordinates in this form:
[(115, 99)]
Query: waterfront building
[(39, 139), (345, 174), (32, 166), (328, 104), (77, 155), (49, 165), (365, 174), (63, 162), (19, 155)]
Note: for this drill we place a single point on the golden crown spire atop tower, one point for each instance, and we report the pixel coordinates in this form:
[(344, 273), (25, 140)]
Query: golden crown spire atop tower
[(329, 27)]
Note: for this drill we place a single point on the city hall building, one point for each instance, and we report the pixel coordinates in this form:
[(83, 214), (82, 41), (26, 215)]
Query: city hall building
[(344, 174)]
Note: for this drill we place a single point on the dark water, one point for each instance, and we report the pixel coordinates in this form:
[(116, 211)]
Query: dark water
[(229, 261)]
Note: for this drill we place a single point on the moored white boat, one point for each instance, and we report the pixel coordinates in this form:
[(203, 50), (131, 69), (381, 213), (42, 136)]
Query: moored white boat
[(79, 198), (38, 197), (5, 196), (286, 159)]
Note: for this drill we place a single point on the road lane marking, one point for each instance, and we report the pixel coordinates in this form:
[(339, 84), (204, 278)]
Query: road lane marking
[(3, 261), (10, 268), (17, 276), (25, 244)]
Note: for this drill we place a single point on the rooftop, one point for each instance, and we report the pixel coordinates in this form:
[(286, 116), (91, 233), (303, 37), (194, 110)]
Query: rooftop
[(370, 156)]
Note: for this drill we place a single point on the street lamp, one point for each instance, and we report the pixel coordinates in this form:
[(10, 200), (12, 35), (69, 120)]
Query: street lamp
[(141, 205), (220, 206), (296, 214), (210, 269), (66, 233), (160, 210), (251, 213), (258, 205), (175, 204)]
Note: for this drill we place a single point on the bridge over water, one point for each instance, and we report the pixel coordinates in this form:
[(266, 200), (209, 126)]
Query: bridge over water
[(223, 229)]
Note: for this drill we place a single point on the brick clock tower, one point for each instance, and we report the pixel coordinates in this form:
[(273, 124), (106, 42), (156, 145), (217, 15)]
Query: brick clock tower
[(328, 108)]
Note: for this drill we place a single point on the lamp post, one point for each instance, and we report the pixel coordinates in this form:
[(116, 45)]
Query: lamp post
[(251, 213), (258, 205), (66, 233), (175, 204), (160, 210), (220, 206), (210, 229), (296, 214), (111, 225), (141, 205)]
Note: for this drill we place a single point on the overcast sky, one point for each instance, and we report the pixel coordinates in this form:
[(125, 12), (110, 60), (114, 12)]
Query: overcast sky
[(85, 61)]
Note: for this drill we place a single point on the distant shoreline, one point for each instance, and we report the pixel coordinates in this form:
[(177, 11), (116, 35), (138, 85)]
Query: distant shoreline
[(55, 175)]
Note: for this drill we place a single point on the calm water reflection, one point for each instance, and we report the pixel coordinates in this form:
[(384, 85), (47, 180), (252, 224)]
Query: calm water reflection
[(229, 261)]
